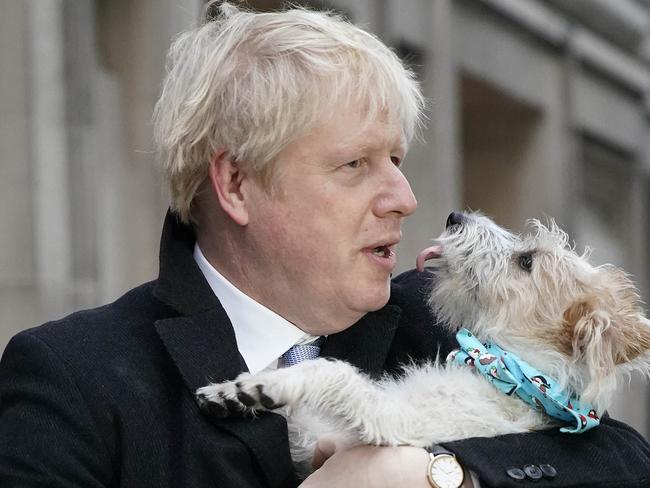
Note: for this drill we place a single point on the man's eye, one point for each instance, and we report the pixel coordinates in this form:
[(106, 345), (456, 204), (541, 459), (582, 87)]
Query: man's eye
[(396, 161), (354, 164)]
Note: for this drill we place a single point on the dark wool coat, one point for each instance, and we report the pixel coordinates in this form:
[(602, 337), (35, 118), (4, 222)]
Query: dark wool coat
[(104, 397)]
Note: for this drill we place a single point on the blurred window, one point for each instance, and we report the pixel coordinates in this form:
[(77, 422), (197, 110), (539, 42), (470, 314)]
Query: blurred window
[(605, 216)]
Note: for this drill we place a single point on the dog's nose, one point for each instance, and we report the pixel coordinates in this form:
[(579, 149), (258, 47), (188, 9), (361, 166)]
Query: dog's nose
[(455, 218)]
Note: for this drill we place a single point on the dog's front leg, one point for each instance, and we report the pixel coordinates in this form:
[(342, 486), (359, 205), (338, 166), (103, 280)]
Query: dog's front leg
[(333, 391), (309, 384)]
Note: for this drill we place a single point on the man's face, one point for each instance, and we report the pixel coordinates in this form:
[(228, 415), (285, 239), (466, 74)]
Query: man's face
[(324, 243)]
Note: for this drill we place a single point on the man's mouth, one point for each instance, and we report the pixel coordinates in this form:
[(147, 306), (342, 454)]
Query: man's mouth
[(383, 251)]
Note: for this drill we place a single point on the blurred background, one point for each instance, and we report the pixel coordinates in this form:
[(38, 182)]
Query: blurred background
[(538, 108)]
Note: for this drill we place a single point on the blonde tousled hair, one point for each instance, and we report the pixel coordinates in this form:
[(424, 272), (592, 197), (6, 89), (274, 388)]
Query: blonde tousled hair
[(251, 83)]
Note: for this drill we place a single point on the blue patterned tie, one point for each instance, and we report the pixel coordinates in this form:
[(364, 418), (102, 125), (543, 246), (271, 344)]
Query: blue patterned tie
[(301, 352)]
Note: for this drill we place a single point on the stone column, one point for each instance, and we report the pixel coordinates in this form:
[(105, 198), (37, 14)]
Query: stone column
[(49, 154)]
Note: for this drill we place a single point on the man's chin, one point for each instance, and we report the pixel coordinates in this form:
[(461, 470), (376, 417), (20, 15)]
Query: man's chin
[(376, 300), (354, 313)]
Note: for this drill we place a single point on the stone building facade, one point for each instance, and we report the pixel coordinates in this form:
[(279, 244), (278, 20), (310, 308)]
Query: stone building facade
[(538, 108)]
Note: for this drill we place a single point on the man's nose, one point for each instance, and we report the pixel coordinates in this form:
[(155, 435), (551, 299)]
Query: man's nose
[(398, 197)]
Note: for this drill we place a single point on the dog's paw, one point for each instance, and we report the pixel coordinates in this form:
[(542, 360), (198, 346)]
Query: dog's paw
[(244, 396)]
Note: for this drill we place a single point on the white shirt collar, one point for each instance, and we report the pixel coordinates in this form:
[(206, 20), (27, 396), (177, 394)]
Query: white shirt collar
[(262, 335)]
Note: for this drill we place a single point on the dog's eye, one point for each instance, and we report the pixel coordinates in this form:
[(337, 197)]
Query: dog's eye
[(526, 262)]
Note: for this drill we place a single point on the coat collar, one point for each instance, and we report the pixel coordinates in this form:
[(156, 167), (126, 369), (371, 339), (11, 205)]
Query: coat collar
[(180, 283)]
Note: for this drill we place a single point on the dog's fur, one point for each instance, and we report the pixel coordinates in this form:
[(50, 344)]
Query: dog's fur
[(579, 324)]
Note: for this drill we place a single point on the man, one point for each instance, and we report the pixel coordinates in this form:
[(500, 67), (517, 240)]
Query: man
[(281, 137)]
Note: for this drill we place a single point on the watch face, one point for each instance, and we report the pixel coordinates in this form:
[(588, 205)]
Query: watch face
[(445, 472)]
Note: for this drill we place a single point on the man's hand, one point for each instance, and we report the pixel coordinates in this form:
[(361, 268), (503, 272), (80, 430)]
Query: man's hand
[(368, 466)]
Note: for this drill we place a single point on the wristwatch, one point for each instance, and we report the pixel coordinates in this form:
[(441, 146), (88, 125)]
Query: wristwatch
[(443, 470)]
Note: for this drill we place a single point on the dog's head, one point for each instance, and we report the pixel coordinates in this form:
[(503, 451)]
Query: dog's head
[(533, 294)]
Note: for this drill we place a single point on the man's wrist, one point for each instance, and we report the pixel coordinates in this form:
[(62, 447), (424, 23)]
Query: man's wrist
[(413, 463)]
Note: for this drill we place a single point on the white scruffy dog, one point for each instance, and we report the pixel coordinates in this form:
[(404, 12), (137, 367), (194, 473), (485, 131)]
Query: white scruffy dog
[(532, 295)]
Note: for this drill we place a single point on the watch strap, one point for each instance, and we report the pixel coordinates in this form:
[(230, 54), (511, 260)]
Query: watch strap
[(437, 449)]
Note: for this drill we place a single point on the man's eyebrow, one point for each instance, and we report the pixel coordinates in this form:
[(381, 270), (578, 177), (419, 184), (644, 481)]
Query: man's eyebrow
[(351, 148)]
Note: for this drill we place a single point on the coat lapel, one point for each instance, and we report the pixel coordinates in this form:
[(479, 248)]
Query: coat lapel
[(201, 342), (203, 348)]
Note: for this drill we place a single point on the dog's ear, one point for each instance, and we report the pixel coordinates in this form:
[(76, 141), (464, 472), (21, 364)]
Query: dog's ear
[(613, 338), (601, 341), (606, 329)]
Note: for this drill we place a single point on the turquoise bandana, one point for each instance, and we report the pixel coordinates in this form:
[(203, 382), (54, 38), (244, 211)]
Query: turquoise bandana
[(512, 375)]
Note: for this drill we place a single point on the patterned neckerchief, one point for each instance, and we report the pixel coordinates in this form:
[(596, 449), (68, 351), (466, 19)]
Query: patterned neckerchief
[(511, 375)]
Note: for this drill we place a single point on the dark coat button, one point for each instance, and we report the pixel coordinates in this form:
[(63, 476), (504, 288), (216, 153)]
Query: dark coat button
[(516, 473), (548, 471), (533, 472)]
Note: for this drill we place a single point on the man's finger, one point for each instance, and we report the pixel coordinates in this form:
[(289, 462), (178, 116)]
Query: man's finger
[(325, 448)]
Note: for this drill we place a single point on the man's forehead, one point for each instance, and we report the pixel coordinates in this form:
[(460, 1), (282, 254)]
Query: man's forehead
[(356, 131)]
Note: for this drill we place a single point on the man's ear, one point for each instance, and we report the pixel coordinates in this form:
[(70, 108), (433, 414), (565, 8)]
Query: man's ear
[(226, 179)]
